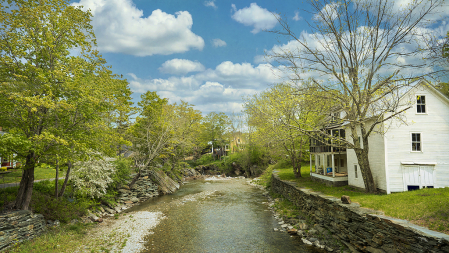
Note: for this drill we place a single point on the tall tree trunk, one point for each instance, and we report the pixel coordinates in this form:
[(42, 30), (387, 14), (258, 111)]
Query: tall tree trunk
[(362, 158), (57, 177), (69, 166), (23, 198)]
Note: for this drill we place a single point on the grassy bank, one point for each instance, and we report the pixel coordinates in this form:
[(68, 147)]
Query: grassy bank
[(426, 207), (40, 172)]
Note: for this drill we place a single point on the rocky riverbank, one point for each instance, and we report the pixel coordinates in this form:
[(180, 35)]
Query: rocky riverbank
[(143, 189), (301, 226)]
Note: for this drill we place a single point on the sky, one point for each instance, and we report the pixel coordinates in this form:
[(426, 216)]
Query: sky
[(208, 53)]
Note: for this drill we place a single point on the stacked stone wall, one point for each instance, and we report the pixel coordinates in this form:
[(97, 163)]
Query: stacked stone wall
[(19, 226), (363, 230)]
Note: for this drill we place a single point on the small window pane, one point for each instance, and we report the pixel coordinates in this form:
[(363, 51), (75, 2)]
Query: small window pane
[(420, 104), (416, 142)]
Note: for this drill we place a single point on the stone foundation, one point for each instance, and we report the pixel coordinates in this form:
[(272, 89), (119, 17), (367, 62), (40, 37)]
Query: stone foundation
[(361, 229), (19, 226)]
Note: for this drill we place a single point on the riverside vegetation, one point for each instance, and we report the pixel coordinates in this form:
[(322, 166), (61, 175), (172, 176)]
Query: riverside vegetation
[(426, 207)]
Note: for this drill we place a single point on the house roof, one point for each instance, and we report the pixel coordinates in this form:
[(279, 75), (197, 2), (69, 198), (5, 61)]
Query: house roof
[(394, 100)]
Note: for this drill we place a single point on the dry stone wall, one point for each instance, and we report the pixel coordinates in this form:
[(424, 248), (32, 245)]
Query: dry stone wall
[(363, 230), (19, 226)]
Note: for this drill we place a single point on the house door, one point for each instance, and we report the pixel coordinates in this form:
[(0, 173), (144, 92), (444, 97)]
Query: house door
[(417, 177)]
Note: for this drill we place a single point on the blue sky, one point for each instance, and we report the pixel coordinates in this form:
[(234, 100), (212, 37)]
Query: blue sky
[(208, 53)]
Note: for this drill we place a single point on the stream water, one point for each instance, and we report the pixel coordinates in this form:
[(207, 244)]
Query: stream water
[(216, 216)]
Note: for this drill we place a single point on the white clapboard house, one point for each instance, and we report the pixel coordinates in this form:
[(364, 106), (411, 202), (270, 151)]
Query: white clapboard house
[(407, 153)]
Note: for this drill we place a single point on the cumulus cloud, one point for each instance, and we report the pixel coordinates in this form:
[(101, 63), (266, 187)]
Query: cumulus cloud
[(255, 16), (219, 89), (297, 17), (329, 11), (218, 43), (122, 28), (210, 4), (180, 67)]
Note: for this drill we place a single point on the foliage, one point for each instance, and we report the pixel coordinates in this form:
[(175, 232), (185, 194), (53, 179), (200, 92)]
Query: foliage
[(122, 171), (57, 209), (426, 207), (54, 103), (92, 177), (216, 126)]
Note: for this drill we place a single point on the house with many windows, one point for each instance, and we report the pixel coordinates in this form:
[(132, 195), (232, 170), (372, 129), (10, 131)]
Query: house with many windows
[(406, 153)]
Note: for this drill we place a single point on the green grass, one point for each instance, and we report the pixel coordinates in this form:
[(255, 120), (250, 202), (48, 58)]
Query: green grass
[(426, 207), (66, 238), (44, 172)]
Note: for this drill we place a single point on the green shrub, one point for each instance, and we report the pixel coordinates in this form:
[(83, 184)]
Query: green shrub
[(123, 168), (203, 160), (57, 209)]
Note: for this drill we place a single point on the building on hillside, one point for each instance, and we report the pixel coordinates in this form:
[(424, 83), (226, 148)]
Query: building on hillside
[(405, 153), (237, 142), (327, 156), (7, 160)]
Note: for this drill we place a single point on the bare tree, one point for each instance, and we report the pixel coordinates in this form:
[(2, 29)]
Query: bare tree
[(361, 53)]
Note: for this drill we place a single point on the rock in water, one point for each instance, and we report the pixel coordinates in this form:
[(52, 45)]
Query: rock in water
[(292, 231), (345, 199)]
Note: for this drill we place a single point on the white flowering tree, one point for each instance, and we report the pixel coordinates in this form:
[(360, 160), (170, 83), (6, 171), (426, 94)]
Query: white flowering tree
[(91, 178)]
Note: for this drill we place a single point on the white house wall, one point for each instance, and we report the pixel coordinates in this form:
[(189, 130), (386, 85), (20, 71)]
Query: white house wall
[(434, 129), (376, 156)]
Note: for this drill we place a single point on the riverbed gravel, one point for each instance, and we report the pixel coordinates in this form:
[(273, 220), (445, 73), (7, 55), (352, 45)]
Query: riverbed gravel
[(124, 234)]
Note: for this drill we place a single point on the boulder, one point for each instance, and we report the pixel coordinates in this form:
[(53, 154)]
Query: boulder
[(292, 231), (345, 199)]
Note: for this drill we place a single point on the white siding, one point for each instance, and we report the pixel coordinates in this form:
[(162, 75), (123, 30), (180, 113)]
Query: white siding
[(434, 129), (376, 157)]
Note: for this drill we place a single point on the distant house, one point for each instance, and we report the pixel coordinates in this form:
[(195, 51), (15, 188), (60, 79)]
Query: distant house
[(412, 153), (7, 161), (237, 142)]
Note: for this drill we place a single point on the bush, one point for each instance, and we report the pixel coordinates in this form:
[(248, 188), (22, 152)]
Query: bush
[(203, 160), (57, 209), (91, 178), (123, 170)]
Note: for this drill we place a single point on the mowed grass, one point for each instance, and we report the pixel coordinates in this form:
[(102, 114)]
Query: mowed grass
[(426, 207), (44, 172)]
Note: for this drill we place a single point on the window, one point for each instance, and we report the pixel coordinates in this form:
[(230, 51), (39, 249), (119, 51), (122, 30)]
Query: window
[(420, 104), (416, 142), (355, 170)]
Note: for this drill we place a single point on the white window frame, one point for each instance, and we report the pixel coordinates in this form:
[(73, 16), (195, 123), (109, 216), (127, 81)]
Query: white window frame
[(420, 142), (426, 108)]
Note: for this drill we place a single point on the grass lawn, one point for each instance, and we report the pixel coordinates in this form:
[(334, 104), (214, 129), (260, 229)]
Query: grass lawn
[(39, 173), (426, 207)]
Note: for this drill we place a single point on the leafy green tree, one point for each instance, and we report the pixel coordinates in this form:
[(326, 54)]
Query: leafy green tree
[(186, 137), (216, 126), (276, 114), (52, 102)]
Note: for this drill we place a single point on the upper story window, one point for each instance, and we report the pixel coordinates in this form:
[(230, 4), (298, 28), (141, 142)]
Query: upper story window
[(420, 104), (416, 142)]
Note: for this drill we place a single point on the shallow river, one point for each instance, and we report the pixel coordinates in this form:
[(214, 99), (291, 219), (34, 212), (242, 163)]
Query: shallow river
[(216, 216)]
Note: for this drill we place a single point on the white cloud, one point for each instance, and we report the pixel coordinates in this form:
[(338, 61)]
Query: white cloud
[(259, 18), (297, 17), (329, 11), (122, 28), (218, 43), (180, 67), (210, 4), (219, 89)]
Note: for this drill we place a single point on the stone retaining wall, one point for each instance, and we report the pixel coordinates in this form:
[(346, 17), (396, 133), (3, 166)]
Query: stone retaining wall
[(361, 229), (19, 226)]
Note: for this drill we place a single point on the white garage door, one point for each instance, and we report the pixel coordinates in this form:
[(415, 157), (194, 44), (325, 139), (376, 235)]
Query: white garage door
[(418, 176)]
